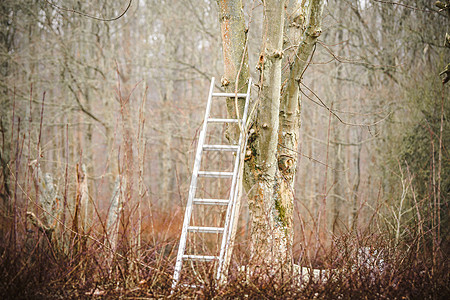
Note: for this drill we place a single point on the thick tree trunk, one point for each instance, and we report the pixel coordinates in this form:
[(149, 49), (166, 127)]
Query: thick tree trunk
[(271, 157), (269, 244)]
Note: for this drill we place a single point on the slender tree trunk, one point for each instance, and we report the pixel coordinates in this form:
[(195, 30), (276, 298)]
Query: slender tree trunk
[(290, 111), (353, 219), (166, 164), (7, 31), (235, 57), (336, 217)]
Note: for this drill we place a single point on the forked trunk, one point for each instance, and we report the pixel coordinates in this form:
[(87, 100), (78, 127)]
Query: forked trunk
[(271, 155)]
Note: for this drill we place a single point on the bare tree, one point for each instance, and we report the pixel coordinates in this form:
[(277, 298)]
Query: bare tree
[(271, 156)]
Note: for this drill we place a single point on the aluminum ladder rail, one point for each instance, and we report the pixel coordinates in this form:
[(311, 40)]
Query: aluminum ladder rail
[(239, 149)]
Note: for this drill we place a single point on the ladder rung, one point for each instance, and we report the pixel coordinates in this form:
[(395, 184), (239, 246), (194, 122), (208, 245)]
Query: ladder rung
[(220, 148), (205, 229), (194, 286), (214, 120), (200, 257), (211, 201), (239, 95), (215, 174)]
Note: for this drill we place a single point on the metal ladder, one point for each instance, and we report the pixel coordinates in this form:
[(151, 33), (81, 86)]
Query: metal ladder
[(226, 231)]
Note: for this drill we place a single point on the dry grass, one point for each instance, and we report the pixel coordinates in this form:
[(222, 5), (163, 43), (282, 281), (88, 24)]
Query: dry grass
[(36, 271), (72, 262)]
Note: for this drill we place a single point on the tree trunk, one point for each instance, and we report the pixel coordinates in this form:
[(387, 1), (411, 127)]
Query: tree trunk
[(269, 243), (235, 57), (338, 211), (271, 157), (165, 161), (7, 32)]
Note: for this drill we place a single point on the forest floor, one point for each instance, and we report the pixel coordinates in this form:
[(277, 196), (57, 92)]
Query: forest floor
[(401, 273)]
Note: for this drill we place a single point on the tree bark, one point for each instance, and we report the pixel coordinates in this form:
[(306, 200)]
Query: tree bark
[(235, 57), (271, 157), (338, 212), (269, 244)]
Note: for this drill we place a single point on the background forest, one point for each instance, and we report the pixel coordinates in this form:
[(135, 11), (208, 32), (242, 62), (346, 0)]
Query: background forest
[(100, 112)]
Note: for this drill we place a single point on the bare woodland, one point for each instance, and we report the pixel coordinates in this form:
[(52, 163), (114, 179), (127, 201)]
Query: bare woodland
[(346, 169)]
